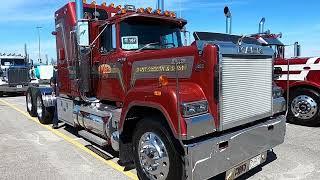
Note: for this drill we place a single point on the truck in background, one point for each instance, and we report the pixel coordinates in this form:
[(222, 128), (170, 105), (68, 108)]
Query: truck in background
[(303, 75), (14, 74), (125, 80)]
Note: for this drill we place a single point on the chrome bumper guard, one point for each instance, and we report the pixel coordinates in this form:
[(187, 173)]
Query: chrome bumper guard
[(211, 157)]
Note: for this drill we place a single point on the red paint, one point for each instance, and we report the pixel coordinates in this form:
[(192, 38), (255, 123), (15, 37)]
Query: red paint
[(200, 86)]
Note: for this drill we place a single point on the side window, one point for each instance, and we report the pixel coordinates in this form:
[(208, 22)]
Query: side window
[(108, 39)]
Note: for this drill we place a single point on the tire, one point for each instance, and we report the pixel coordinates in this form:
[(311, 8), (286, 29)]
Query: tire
[(1, 94), (172, 168), (304, 107), (45, 115), (31, 107)]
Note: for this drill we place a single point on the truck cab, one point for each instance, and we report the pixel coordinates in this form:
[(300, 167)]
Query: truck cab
[(14, 74), (177, 112)]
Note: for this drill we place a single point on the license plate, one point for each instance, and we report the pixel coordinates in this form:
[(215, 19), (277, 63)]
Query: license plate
[(243, 168), (19, 86), (254, 162)]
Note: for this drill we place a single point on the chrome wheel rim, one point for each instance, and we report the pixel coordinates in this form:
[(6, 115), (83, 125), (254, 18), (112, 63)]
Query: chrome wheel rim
[(153, 156), (304, 107), (29, 103), (39, 107)]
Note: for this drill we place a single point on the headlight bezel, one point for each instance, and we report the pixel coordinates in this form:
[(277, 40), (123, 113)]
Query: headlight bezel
[(195, 108)]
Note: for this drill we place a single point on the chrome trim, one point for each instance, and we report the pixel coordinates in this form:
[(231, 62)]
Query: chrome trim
[(200, 125), (208, 158)]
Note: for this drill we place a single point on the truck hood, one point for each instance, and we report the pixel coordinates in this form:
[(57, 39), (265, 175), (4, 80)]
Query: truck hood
[(298, 60)]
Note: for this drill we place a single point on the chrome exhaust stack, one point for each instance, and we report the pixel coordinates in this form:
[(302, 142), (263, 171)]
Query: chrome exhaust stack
[(79, 10), (297, 49), (228, 15), (261, 25), (160, 5)]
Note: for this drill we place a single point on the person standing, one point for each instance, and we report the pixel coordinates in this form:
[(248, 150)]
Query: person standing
[(54, 85)]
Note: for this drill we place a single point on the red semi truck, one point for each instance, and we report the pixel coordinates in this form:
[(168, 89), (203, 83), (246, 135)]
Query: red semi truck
[(302, 74), (177, 112)]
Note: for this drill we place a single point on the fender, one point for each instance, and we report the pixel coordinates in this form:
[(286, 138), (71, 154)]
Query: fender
[(295, 84), (48, 97), (165, 103)]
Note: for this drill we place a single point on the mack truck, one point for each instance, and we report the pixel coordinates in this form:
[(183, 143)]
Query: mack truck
[(298, 76), (14, 73), (125, 80)]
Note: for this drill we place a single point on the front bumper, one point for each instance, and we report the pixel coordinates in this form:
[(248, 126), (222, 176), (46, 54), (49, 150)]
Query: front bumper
[(6, 88), (213, 156)]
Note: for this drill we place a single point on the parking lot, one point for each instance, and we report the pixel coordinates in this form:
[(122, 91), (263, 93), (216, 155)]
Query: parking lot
[(29, 150)]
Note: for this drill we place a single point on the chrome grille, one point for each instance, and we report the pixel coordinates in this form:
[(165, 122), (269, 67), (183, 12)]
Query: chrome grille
[(246, 90), (18, 76)]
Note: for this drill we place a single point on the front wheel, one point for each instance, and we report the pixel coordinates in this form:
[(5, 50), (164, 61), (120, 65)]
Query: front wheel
[(155, 155), (45, 114), (304, 107)]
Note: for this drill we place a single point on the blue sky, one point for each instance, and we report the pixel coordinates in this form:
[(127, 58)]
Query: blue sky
[(297, 20)]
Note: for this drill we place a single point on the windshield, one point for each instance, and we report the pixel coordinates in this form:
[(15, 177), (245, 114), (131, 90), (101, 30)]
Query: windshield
[(139, 35), (12, 62)]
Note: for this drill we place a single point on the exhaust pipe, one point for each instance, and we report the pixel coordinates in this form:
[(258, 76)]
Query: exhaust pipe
[(297, 49), (79, 10), (228, 15), (261, 25)]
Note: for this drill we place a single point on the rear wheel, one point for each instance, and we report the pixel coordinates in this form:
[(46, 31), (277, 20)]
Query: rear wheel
[(31, 107), (304, 107), (155, 155), (45, 115), (1, 94)]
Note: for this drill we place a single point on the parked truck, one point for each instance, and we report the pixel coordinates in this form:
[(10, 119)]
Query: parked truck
[(302, 74), (14, 73), (125, 80)]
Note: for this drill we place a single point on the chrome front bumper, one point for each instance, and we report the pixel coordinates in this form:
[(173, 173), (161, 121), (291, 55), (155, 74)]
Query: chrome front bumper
[(211, 157)]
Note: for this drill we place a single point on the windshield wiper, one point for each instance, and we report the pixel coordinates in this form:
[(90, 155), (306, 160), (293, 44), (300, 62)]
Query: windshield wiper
[(147, 45)]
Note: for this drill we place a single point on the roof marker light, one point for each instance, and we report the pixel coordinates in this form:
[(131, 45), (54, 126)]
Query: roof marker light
[(172, 14), (84, 1), (104, 4), (111, 5), (119, 7), (122, 11), (167, 13), (149, 10), (158, 11), (93, 3), (140, 10)]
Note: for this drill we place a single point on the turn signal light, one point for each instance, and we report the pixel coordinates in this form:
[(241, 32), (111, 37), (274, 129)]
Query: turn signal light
[(149, 10), (163, 80)]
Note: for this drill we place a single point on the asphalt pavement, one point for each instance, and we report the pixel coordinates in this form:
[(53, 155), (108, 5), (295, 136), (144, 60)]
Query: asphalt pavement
[(29, 150)]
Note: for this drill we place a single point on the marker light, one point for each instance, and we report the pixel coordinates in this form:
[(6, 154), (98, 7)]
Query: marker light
[(84, 1), (173, 15), (104, 4), (163, 80), (119, 7), (167, 13), (149, 10), (158, 11), (111, 5), (122, 11), (140, 10), (93, 3)]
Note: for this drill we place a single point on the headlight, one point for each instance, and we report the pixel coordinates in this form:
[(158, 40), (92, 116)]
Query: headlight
[(194, 108), (277, 92)]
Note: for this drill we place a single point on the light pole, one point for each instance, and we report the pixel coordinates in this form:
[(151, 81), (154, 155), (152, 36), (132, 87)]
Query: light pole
[(39, 28)]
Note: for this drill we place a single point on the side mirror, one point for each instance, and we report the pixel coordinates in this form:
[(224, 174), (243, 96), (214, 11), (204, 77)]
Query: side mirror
[(83, 33)]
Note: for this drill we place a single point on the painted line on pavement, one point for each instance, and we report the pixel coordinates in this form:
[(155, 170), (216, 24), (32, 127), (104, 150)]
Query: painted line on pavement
[(74, 142)]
